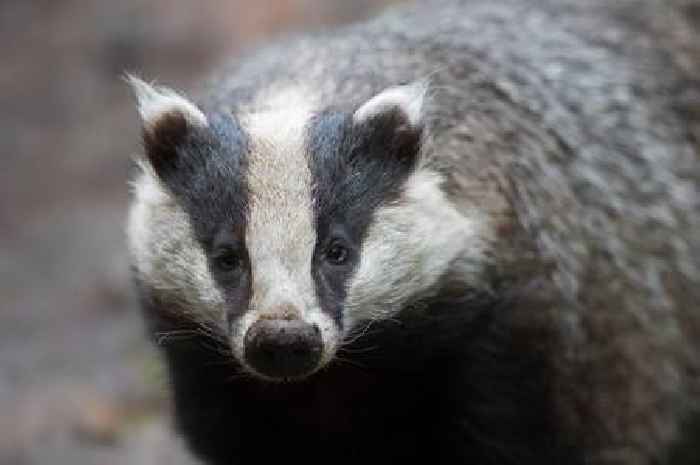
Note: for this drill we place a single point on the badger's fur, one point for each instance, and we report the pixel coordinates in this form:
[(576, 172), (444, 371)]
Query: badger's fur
[(466, 232)]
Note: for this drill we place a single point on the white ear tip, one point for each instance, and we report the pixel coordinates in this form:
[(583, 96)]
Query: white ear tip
[(409, 98), (138, 85), (154, 102)]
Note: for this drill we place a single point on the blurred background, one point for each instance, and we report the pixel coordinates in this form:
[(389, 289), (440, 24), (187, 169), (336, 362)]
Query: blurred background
[(79, 383)]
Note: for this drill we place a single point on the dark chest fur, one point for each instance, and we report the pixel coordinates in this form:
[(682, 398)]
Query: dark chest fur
[(448, 389)]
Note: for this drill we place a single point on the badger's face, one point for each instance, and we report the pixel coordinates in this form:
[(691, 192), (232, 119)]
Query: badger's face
[(287, 228)]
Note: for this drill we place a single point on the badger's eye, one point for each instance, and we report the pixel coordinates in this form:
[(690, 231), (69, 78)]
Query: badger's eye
[(227, 260), (337, 254)]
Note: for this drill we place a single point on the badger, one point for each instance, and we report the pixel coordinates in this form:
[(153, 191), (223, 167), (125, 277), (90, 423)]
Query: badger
[(461, 232)]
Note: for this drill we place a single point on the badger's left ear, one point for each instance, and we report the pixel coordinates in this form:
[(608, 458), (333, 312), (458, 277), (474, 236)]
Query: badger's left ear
[(393, 121), (167, 120)]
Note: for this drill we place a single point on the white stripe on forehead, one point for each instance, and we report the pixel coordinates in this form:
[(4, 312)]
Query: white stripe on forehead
[(281, 234)]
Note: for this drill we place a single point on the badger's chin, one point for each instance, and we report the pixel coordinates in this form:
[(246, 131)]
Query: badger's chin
[(255, 375), (288, 378)]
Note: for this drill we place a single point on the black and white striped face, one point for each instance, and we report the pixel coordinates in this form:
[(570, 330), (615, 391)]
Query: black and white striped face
[(289, 226)]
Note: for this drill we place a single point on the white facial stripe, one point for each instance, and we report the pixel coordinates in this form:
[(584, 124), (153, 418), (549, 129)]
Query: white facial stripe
[(166, 254), (155, 102), (408, 247), (280, 233)]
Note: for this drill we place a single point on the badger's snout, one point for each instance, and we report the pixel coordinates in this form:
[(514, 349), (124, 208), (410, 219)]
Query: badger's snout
[(283, 348)]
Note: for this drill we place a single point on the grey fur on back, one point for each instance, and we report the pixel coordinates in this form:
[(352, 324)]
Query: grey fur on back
[(581, 120)]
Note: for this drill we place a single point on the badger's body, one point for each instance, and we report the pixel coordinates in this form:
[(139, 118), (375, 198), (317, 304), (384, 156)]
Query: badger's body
[(467, 232)]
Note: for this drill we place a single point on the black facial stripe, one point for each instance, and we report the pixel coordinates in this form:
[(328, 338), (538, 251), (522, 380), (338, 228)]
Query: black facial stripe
[(207, 173), (355, 169)]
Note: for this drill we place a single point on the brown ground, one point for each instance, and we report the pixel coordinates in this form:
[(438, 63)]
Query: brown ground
[(79, 384)]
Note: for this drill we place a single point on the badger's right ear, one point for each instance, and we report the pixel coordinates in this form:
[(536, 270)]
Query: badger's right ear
[(167, 120), (393, 122)]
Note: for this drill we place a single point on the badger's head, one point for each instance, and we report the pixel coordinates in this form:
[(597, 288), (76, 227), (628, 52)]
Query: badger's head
[(286, 228)]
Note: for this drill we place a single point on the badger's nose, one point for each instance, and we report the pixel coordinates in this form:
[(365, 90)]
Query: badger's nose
[(281, 348)]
